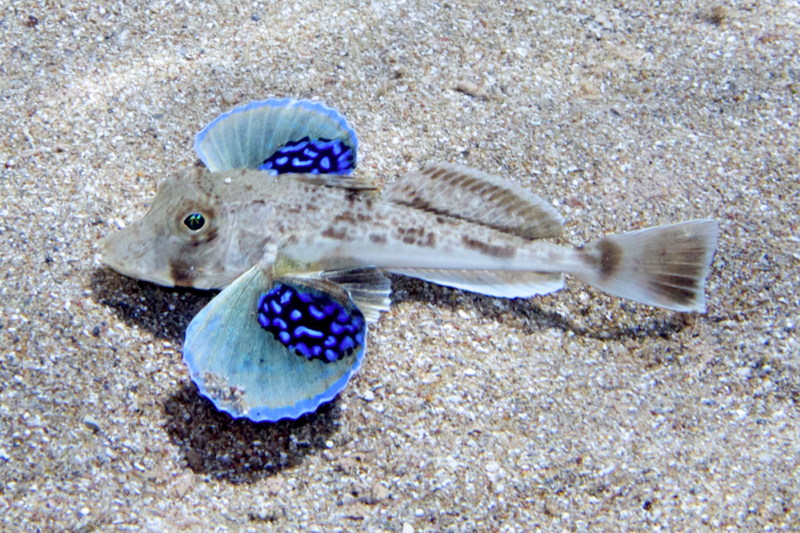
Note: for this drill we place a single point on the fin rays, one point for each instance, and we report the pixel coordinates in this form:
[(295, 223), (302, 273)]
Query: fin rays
[(665, 266), (238, 358), (468, 194)]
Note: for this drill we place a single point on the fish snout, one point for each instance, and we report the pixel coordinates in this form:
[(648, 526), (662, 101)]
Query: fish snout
[(130, 253)]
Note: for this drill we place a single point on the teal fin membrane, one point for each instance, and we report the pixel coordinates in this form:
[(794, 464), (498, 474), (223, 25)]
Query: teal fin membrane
[(279, 136), (268, 349)]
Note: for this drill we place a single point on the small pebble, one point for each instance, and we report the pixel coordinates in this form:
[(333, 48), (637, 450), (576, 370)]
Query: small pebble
[(92, 424), (378, 493), (228, 98)]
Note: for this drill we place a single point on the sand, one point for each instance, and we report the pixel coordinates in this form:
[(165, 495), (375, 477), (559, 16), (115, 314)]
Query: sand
[(570, 412)]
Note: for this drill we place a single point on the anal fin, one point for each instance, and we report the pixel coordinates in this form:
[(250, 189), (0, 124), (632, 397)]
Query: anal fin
[(469, 194), (490, 282)]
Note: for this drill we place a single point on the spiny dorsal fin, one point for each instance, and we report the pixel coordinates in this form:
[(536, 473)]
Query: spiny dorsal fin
[(337, 181), (369, 289), (472, 195)]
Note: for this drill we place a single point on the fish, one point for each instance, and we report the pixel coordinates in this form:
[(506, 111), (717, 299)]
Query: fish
[(300, 246)]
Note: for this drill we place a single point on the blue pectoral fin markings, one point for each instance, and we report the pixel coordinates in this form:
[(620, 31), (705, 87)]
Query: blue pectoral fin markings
[(267, 350), (313, 156)]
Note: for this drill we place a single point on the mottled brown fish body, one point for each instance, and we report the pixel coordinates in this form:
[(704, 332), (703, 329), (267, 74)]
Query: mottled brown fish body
[(321, 223)]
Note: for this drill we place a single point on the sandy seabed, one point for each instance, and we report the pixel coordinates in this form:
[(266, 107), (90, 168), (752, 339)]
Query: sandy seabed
[(570, 412)]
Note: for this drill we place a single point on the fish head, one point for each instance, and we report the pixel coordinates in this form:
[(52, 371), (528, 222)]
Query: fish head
[(179, 242)]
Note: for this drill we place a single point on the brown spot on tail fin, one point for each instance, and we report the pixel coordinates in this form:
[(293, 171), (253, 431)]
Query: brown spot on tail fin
[(664, 266), (678, 295), (610, 258)]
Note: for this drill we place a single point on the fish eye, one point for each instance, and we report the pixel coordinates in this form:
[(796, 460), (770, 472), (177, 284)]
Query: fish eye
[(194, 221)]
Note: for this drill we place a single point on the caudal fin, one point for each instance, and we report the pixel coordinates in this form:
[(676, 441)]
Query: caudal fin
[(664, 266)]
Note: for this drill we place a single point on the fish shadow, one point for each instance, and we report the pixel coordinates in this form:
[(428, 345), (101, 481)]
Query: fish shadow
[(238, 450), (211, 442), (166, 312), (163, 311), (524, 314), (241, 451)]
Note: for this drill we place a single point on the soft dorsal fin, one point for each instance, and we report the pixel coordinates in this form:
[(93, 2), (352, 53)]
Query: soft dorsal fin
[(469, 194)]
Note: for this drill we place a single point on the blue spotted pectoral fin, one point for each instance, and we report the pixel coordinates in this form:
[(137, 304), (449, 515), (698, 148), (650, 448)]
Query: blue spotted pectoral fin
[(269, 349), (279, 136)]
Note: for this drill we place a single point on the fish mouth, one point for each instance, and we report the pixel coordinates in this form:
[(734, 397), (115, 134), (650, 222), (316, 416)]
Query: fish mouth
[(133, 259)]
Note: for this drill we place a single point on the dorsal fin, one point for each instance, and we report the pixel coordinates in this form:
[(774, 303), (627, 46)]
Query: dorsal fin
[(469, 194), (352, 183)]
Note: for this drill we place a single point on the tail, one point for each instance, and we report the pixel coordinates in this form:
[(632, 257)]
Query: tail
[(664, 266)]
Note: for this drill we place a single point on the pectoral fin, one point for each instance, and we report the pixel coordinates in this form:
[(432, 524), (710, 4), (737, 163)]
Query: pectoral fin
[(279, 136), (268, 349)]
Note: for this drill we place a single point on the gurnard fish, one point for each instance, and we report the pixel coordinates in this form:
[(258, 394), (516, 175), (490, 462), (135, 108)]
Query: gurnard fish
[(300, 248)]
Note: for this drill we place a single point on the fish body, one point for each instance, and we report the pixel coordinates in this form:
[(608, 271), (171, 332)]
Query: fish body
[(318, 225), (248, 218), (326, 237)]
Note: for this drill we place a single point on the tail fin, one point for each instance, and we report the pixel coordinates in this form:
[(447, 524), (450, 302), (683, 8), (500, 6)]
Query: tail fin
[(664, 266)]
